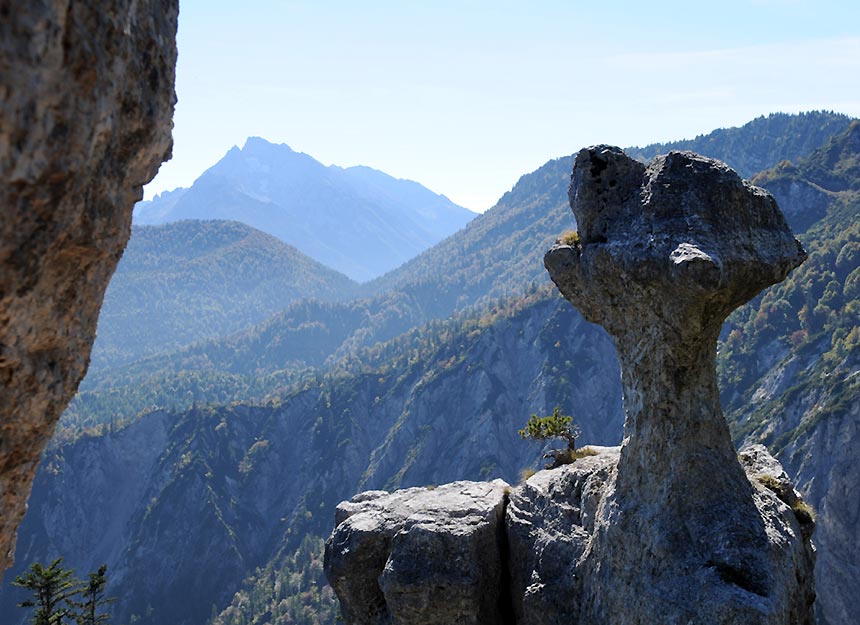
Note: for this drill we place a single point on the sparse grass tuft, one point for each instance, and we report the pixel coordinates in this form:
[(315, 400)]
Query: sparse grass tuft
[(525, 474), (803, 512), (584, 452), (569, 237), (769, 481)]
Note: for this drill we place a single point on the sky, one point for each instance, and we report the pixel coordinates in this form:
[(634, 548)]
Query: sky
[(466, 96)]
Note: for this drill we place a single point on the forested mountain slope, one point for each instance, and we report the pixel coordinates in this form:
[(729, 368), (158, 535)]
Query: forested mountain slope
[(359, 221), (499, 254), (791, 363), (759, 144), (789, 366), (501, 251), (191, 280), (441, 403)]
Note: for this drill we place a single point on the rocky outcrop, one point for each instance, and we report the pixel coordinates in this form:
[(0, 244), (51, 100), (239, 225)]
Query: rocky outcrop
[(552, 521), (670, 528), (85, 120), (444, 555), (665, 253), (422, 555)]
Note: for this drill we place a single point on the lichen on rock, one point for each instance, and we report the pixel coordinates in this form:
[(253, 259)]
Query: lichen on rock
[(86, 108)]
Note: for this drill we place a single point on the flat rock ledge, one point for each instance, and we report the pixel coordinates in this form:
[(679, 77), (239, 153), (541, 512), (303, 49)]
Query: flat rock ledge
[(488, 554)]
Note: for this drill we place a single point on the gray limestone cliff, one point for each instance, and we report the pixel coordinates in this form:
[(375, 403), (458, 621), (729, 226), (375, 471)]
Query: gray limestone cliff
[(86, 106), (671, 528)]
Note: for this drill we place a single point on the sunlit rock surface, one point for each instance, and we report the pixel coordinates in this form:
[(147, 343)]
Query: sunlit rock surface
[(422, 555), (86, 106)]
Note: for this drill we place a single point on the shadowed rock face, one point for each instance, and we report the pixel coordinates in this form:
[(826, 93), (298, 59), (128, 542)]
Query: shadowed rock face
[(86, 104), (665, 253)]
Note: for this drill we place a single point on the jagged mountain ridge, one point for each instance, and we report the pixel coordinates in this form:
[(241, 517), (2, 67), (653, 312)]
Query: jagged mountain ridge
[(334, 432), (359, 221)]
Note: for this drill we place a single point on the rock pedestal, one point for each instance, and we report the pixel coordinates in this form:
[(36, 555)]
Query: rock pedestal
[(670, 528), (86, 108), (556, 523), (665, 253)]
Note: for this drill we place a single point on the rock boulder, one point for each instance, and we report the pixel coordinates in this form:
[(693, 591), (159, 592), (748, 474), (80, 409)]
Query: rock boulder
[(672, 528), (443, 555), (428, 556)]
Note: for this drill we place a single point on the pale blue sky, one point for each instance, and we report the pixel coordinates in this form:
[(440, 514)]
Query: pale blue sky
[(465, 96)]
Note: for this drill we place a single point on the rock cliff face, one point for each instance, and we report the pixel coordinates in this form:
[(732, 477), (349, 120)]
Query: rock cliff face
[(85, 120), (672, 529)]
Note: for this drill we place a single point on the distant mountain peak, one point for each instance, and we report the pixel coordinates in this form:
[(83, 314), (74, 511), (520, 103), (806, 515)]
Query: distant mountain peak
[(254, 144), (357, 220)]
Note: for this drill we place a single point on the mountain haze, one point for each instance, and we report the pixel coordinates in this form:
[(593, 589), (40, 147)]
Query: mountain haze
[(190, 280), (359, 221), (497, 255)]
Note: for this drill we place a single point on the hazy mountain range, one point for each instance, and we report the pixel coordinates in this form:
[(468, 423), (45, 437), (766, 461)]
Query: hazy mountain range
[(358, 221), (210, 494)]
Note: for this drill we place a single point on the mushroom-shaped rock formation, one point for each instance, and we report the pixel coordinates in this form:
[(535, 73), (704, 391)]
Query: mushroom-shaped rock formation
[(86, 109), (670, 528), (665, 253)]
